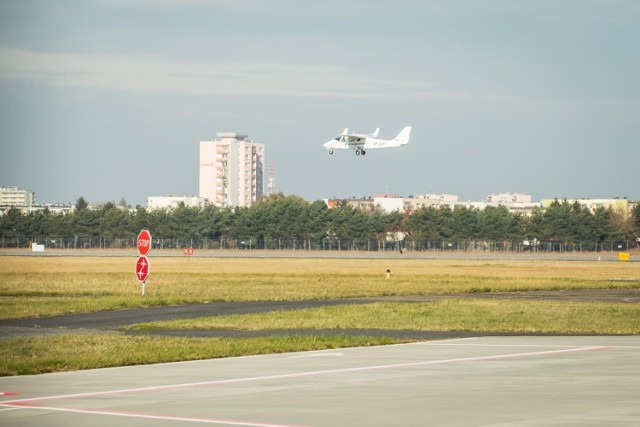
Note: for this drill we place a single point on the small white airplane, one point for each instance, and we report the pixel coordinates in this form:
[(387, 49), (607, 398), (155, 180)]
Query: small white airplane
[(363, 142)]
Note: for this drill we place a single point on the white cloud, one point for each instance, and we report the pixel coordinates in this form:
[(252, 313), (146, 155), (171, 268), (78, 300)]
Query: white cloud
[(152, 74)]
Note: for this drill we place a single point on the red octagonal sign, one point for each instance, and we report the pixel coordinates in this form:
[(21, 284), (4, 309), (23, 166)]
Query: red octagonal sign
[(142, 268), (144, 242)]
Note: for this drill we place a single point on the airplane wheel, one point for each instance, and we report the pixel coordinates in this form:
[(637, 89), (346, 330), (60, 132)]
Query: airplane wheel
[(330, 151), (363, 152), (357, 152)]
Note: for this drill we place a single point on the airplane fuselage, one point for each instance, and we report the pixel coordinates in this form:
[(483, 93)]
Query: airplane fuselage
[(362, 142)]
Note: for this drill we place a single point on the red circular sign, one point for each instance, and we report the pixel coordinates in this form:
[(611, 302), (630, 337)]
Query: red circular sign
[(144, 242), (142, 268)]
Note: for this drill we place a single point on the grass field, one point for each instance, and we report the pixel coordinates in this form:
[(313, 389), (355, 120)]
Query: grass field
[(479, 315), (70, 352), (41, 286)]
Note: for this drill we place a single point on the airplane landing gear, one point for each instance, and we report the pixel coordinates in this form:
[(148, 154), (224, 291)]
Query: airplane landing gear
[(330, 151), (359, 151)]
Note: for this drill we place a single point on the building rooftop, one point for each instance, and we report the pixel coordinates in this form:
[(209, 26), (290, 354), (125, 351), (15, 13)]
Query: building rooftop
[(232, 135)]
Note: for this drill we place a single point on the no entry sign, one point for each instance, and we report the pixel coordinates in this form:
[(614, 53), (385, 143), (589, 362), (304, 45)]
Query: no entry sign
[(144, 242), (142, 268)]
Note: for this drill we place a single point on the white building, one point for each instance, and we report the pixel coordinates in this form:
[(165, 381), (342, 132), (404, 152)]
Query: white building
[(429, 200), (172, 202), (12, 196), (508, 198), (390, 203), (516, 203), (231, 170)]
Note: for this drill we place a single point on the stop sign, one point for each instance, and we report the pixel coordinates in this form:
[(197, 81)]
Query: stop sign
[(142, 268), (144, 242)]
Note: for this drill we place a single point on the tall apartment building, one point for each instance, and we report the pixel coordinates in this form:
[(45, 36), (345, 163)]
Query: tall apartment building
[(231, 170)]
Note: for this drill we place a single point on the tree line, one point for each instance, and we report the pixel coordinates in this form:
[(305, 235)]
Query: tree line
[(291, 218)]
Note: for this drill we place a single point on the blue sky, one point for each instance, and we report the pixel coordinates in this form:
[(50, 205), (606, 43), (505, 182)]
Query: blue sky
[(109, 99)]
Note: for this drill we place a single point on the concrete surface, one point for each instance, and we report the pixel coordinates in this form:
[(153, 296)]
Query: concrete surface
[(515, 381)]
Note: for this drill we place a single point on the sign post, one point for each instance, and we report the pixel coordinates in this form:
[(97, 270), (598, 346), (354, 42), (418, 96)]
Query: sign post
[(143, 268)]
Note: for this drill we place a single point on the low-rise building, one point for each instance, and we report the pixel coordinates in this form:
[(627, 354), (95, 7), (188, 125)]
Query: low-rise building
[(412, 203), (518, 203), (616, 204), (389, 203), (365, 203), (172, 202), (508, 198), (13, 196)]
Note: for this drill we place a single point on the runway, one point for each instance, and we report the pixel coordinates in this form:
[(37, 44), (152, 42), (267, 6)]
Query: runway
[(521, 381), (333, 254)]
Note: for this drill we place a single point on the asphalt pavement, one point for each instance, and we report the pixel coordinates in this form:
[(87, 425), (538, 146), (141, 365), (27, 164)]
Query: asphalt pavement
[(115, 320)]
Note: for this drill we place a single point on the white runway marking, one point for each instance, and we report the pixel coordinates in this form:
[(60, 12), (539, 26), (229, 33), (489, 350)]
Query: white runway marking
[(445, 344), (156, 417), (306, 356)]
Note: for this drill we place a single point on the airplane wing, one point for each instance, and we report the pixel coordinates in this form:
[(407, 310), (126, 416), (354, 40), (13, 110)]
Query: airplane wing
[(357, 139), (354, 140), (351, 139), (345, 141)]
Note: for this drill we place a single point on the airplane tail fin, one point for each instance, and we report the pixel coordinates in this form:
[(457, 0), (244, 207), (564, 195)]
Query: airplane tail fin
[(403, 136)]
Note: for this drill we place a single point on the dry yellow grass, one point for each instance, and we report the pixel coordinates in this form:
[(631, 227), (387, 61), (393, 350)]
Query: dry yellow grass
[(37, 286), (399, 267)]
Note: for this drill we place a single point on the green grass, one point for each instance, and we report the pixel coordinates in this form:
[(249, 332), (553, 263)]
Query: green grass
[(446, 315), (69, 352)]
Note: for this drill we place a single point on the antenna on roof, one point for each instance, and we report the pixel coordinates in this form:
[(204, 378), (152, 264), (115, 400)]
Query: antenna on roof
[(272, 177)]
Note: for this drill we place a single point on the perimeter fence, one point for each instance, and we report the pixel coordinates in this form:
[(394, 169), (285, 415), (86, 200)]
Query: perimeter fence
[(327, 244)]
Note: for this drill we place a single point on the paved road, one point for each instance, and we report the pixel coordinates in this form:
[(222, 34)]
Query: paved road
[(407, 254), (110, 320)]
